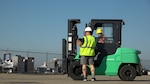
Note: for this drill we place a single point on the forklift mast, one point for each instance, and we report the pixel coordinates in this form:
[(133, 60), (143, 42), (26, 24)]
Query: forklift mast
[(69, 47), (72, 37)]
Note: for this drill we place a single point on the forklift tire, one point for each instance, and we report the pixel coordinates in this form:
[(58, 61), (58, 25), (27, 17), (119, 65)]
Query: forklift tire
[(127, 73), (75, 70)]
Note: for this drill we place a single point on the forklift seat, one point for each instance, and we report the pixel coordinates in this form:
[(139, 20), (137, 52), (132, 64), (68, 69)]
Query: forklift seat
[(100, 54)]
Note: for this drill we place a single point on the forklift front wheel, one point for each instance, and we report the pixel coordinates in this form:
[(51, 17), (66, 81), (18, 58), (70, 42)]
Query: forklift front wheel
[(75, 70)]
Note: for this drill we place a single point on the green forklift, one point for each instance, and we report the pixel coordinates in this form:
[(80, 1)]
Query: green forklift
[(114, 60)]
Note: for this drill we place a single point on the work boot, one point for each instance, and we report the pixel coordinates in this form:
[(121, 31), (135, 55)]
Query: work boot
[(85, 79), (93, 79)]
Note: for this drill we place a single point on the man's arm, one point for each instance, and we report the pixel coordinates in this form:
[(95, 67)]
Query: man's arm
[(80, 41)]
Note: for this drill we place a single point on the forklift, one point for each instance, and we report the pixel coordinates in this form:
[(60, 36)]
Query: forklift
[(117, 61)]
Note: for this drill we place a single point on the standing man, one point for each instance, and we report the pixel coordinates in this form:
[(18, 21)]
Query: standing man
[(87, 52)]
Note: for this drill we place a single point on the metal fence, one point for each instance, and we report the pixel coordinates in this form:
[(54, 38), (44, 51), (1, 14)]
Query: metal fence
[(39, 57), (145, 64)]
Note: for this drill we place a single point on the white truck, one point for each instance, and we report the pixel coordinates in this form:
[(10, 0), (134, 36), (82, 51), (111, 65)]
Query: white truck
[(7, 65)]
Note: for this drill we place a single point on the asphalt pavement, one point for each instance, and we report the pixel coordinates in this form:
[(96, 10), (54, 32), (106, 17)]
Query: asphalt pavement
[(63, 79)]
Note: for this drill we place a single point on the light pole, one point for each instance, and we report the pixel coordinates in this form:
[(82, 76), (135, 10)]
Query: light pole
[(28, 53), (46, 58)]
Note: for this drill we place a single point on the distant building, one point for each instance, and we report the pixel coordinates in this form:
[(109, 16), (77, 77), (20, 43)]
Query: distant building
[(23, 64), (55, 65), (19, 63), (29, 64)]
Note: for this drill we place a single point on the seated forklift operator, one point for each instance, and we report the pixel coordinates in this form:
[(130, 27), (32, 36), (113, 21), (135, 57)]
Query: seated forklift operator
[(87, 52), (100, 39), (100, 51)]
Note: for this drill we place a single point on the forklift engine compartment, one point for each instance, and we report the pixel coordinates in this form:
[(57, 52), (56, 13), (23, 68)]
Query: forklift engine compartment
[(111, 60)]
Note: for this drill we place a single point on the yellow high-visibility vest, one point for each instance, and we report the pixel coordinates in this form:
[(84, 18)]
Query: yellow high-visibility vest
[(88, 47)]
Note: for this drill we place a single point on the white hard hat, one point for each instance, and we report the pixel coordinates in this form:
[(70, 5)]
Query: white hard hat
[(88, 29)]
